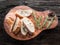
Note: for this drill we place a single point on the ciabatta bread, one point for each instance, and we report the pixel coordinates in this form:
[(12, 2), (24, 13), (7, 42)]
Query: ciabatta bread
[(23, 29), (23, 13), (17, 25), (29, 24)]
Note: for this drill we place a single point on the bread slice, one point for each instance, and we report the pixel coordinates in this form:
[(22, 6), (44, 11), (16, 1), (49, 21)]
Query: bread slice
[(9, 23), (17, 25), (29, 24), (23, 13), (23, 29)]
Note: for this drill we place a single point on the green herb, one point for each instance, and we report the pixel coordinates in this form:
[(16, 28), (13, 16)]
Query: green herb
[(50, 22), (44, 22), (34, 15), (37, 20)]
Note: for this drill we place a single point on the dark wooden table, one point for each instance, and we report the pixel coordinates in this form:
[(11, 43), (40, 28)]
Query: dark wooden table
[(48, 37)]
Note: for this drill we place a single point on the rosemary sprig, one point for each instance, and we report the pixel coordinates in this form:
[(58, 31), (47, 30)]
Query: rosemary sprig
[(50, 22), (34, 15), (44, 22), (37, 20)]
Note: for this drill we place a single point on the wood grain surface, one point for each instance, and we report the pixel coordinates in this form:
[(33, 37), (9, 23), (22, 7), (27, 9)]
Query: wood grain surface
[(48, 37)]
